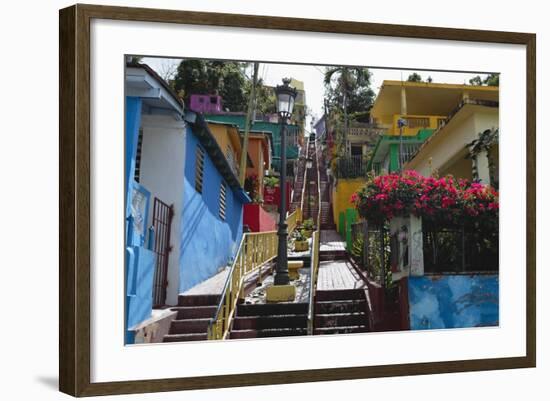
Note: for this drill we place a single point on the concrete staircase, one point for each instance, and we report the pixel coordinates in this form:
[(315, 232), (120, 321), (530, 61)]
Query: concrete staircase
[(194, 315), (270, 320), (341, 311), (299, 181)]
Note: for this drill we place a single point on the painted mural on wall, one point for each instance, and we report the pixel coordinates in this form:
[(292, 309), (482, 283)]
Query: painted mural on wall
[(453, 301)]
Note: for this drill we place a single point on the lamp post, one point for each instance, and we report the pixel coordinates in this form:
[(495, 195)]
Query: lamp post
[(285, 104), (401, 123)]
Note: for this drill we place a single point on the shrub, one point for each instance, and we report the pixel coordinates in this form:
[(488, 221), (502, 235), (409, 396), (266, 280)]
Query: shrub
[(443, 200)]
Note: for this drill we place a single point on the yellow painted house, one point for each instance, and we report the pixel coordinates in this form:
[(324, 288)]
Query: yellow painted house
[(440, 121), (425, 108)]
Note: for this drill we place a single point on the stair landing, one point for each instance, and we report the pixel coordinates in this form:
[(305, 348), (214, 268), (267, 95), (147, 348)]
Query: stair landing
[(338, 275)]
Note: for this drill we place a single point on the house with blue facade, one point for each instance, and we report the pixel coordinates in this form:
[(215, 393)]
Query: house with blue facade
[(184, 204)]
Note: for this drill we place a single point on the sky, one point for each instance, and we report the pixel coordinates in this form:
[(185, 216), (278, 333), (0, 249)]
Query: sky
[(312, 76)]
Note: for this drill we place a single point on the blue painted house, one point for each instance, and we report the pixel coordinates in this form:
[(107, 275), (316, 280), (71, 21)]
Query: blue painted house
[(184, 204)]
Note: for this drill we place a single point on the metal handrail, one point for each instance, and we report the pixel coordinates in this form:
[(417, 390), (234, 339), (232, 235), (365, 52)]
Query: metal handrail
[(305, 175), (315, 254), (255, 250)]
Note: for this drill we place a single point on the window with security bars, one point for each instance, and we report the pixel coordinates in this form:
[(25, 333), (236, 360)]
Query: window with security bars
[(137, 170), (223, 194), (199, 169)]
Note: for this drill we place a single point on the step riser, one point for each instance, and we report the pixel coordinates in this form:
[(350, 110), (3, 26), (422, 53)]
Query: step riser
[(332, 255), (198, 300), (269, 322), (348, 307), (189, 326), (265, 334), (272, 309), (340, 320), (194, 337), (195, 313), (339, 295), (346, 330)]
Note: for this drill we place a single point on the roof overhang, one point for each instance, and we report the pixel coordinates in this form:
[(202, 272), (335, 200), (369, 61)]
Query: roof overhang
[(427, 98), (141, 81), (465, 111), (208, 141)]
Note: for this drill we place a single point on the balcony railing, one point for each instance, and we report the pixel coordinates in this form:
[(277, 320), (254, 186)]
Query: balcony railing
[(351, 167), (414, 123), (370, 131)]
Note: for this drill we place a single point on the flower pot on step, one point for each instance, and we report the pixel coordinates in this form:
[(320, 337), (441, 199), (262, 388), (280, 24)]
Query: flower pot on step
[(301, 246)]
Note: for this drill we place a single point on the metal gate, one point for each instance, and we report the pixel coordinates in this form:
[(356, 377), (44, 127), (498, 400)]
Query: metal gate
[(162, 221)]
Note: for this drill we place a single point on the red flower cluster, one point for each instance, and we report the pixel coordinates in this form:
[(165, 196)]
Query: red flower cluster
[(444, 199)]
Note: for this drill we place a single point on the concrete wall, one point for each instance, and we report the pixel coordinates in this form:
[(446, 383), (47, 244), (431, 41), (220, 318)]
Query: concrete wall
[(341, 195), (207, 243), (162, 173), (453, 301)]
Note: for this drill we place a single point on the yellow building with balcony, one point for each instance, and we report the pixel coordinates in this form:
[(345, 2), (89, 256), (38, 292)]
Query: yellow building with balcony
[(411, 112)]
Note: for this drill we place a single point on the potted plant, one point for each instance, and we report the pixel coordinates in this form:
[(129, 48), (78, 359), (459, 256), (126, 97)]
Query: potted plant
[(300, 242), (308, 228)]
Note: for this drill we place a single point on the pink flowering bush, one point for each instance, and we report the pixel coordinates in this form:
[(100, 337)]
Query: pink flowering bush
[(443, 200)]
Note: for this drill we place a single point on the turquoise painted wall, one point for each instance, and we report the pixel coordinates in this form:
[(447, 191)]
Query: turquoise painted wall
[(453, 301), (139, 261), (207, 242)]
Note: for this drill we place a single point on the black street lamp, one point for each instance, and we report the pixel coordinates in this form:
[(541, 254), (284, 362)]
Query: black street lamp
[(285, 104)]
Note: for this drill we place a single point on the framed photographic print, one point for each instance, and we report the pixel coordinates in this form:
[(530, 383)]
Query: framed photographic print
[(344, 199)]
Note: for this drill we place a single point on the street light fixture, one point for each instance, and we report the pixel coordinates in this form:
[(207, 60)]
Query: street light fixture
[(285, 103)]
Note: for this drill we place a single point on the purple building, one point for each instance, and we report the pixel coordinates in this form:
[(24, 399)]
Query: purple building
[(211, 104)]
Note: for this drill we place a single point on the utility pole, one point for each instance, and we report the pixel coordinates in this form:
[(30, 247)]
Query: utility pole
[(247, 123)]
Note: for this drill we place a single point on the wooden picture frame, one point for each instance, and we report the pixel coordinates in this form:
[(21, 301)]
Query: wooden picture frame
[(75, 208)]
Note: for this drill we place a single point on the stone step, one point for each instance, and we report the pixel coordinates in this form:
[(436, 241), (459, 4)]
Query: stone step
[(267, 333), (339, 295), (189, 326), (333, 255), (341, 330), (270, 322), (199, 300), (194, 312), (342, 306), (174, 338), (340, 319), (281, 308)]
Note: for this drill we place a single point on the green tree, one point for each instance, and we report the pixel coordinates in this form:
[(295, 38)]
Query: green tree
[(348, 90), (266, 101), (489, 80), (414, 77), (226, 79)]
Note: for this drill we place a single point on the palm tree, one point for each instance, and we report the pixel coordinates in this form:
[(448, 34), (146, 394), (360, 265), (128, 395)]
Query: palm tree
[(346, 79)]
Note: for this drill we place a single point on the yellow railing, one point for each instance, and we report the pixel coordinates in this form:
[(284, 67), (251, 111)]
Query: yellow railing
[(314, 270), (293, 219), (255, 250)]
